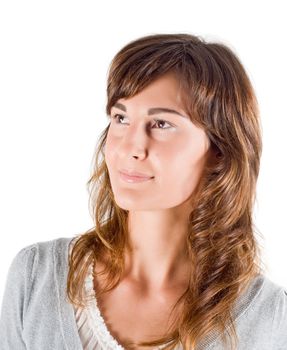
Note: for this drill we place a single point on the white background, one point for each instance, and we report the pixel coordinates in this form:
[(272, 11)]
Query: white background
[(53, 67)]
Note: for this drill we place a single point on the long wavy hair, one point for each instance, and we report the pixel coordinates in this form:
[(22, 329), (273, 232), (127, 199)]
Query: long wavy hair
[(221, 237)]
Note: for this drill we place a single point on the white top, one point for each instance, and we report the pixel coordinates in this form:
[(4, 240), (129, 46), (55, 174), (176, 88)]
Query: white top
[(91, 325)]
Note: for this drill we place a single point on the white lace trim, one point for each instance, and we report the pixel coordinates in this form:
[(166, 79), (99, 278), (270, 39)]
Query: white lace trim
[(91, 325), (95, 318)]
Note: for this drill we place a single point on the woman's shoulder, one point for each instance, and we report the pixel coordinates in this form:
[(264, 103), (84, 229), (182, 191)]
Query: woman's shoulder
[(59, 243), (46, 244), (266, 294), (275, 296), (278, 293), (273, 290), (41, 253), (270, 306)]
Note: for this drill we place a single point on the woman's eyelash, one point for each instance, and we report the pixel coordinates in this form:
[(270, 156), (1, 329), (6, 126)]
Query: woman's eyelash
[(115, 116)]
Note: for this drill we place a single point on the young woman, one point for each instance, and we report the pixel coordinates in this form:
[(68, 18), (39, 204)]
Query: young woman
[(172, 261)]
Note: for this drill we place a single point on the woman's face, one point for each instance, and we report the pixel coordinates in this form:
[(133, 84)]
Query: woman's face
[(166, 146)]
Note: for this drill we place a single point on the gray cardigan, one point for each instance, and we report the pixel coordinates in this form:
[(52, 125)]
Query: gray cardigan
[(36, 315)]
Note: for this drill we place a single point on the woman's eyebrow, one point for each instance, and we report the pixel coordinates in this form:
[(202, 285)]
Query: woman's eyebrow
[(152, 111)]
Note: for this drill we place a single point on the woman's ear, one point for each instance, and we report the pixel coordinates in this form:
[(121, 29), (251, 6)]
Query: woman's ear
[(214, 155)]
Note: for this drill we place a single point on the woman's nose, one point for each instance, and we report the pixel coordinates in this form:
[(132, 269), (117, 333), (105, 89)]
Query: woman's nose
[(135, 141)]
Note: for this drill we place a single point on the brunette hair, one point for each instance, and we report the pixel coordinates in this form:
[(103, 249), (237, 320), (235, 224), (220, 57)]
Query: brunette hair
[(221, 240)]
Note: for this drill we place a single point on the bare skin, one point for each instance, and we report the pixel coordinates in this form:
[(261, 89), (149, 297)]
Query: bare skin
[(131, 315), (174, 153)]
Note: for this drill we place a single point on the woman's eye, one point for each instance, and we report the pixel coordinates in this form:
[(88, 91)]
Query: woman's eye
[(116, 118), (157, 121)]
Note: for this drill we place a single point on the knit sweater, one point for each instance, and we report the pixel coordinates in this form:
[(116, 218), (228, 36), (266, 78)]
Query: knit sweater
[(36, 314)]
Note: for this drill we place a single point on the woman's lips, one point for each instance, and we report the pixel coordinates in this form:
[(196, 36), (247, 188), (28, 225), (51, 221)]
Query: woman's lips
[(132, 172), (133, 178)]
